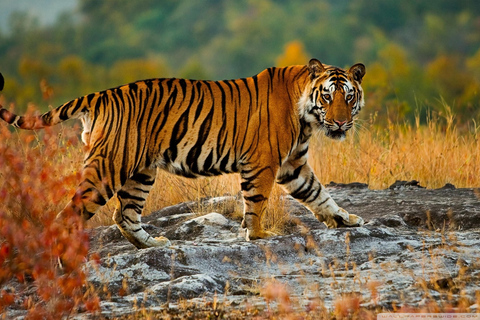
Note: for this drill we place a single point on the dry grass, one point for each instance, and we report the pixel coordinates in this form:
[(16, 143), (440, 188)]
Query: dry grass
[(435, 153)]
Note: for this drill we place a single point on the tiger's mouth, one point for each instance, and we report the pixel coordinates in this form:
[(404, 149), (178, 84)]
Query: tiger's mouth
[(338, 134)]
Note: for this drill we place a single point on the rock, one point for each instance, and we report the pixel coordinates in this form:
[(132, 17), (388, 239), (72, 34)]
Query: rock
[(403, 245), (223, 205), (352, 185), (388, 220), (448, 186), (399, 184), (417, 243)]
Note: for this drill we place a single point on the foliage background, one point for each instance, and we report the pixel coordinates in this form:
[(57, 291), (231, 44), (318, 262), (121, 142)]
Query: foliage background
[(420, 121), (420, 55)]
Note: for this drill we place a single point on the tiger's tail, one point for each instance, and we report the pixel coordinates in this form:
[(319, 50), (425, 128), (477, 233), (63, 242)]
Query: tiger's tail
[(70, 110)]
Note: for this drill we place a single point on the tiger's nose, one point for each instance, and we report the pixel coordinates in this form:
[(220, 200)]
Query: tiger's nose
[(340, 123)]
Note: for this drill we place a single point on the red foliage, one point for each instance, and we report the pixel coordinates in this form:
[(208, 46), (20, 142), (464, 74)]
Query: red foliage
[(41, 258)]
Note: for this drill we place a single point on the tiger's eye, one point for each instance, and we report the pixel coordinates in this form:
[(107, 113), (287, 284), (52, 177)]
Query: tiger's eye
[(326, 97)]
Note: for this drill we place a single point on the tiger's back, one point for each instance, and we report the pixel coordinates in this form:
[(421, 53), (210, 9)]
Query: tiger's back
[(255, 126), (192, 127)]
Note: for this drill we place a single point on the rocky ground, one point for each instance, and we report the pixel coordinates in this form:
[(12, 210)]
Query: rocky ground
[(417, 246)]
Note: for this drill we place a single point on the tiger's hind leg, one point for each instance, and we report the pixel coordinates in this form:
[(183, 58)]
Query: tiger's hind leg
[(96, 189), (128, 214), (93, 192)]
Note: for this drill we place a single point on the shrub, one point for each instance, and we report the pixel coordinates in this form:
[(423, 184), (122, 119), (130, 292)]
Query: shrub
[(41, 258)]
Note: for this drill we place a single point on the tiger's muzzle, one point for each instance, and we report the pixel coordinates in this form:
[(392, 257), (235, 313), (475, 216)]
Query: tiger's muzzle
[(337, 130)]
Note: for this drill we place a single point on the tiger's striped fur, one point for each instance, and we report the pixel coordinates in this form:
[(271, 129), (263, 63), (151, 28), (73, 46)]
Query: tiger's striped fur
[(258, 127)]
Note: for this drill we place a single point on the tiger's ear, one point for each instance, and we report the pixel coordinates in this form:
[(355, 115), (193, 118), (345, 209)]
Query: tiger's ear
[(316, 68), (357, 71)]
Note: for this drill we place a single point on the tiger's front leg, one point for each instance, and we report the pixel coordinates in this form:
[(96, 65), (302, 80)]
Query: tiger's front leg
[(257, 184), (302, 184)]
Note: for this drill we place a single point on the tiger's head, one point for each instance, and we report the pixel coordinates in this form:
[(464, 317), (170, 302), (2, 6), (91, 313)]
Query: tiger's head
[(333, 98)]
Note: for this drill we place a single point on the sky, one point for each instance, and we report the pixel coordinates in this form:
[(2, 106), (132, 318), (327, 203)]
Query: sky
[(45, 10)]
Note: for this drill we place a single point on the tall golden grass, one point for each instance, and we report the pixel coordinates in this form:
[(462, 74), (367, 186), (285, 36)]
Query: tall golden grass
[(434, 153)]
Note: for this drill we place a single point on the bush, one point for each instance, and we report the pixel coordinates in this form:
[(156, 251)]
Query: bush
[(41, 258)]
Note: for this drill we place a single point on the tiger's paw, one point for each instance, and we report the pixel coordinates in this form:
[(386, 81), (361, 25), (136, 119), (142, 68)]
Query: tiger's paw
[(354, 221), (343, 219), (161, 242), (253, 235), (151, 242)]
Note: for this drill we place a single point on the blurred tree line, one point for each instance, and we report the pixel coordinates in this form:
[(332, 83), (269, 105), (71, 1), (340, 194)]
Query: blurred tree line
[(421, 56)]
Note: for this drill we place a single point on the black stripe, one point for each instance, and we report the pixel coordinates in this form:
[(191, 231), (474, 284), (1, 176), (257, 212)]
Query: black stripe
[(290, 177), (144, 179), (246, 185), (301, 192), (125, 195), (207, 164), (224, 162), (249, 106), (133, 206), (108, 190), (255, 198), (77, 106), (87, 181), (183, 86), (194, 153), (255, 176), (234, 166), (301, 153), (284, 70), (271, 72), (63, 115), (179, 131), (311, 189), (162, 113), (172, 98), (279, 151), (222, 134), (97, 199), (141, 145), (124, 118), (100, 200), (318, 190), (127, 218), (90, 97), (169, 83), (323, 202), (235, 108), (255, 82), (96, 111), (133, 87), (198, 111)]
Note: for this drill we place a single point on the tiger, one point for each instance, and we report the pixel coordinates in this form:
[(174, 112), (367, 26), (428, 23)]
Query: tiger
[(258, 127)]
